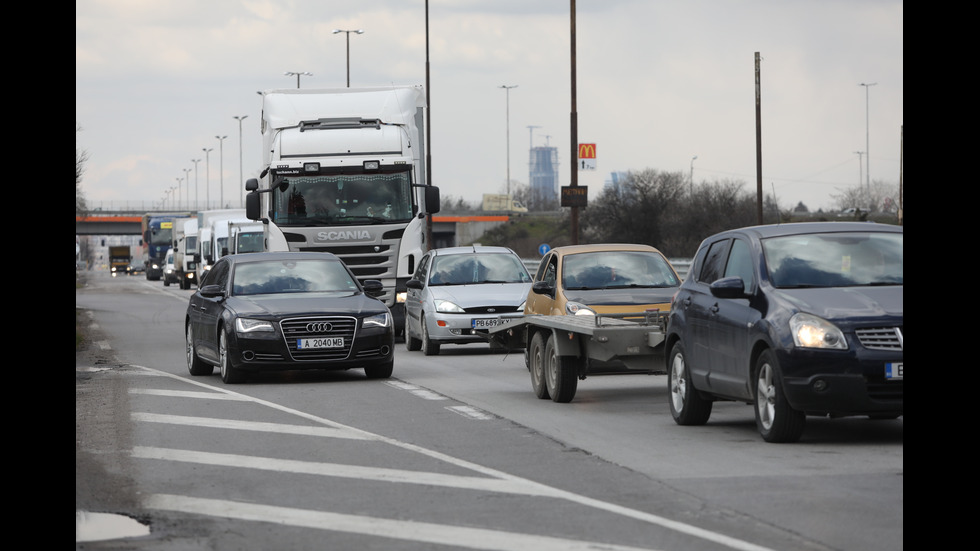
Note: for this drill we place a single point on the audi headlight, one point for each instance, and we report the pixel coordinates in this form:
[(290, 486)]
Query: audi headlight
[(447, 307), (578, 309), (249, 325), (810, 331), (380, 320)]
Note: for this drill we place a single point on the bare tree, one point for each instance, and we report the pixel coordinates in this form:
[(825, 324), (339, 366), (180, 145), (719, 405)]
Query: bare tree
[(81, 156), (635, 212), (881, 197)]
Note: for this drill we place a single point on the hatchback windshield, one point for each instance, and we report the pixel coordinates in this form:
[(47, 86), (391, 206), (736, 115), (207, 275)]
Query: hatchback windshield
[(466, 269), (291, 276), (612, 269), (835, 259)]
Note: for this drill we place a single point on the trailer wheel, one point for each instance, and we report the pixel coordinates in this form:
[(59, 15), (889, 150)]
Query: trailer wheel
[(560, 373), (535, 363)]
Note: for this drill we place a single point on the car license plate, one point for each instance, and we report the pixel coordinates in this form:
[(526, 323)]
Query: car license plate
[(484, 323), (328, 342), (893, 371)]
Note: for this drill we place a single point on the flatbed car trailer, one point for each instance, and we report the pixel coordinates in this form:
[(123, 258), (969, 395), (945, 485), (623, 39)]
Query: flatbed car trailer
[(561, 350)]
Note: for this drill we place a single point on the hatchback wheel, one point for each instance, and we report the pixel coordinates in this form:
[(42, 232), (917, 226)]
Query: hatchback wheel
[(195, 365), (411, 343), (687, 406), (775, 419), (229, 374), (429, 347)]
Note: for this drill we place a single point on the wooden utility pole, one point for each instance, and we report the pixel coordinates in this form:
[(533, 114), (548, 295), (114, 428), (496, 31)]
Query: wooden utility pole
[(758, 137), (574, 130)]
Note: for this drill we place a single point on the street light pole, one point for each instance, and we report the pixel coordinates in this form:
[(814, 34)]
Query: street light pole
[(692, 174), (867, 150), (207, 173), (187, 183), (221, 172), (860, 168), (358, 31), (241, 175), (507, 89), (197, 202), (177, 203), (291, 73)]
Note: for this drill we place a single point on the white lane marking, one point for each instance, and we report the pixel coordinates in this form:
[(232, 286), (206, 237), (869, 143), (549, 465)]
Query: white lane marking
[(376, 474), (681, 527), (471, 412), (440, 534), (416, 390), (186, 394), (235, 424)]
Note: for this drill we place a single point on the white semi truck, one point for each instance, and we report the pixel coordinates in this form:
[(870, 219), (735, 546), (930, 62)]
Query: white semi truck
[(345, 173)]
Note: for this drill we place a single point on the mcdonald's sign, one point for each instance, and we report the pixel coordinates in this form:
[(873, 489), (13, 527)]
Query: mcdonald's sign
[(586, 156)]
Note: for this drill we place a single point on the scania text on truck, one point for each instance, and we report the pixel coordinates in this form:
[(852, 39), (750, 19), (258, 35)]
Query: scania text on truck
[(157, 232), (345, 173)]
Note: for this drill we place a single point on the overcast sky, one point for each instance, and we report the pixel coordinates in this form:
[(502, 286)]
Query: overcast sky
[(658, 83)]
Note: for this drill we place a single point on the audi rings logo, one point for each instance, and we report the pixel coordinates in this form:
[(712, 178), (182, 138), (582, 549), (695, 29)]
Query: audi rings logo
[(319, 327)]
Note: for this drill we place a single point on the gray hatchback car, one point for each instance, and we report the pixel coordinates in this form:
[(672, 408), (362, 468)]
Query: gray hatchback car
[(458, 293)]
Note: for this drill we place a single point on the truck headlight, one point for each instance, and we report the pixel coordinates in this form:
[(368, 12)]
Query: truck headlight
[(810, 331)]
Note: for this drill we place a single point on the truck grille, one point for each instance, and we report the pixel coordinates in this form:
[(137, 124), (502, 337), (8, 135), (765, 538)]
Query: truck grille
[(332, 326), (881, 338)]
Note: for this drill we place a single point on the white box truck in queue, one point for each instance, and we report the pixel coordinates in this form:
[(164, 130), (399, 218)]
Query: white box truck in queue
[(184, 247), (245, 237), (212, 236), (345, 173)]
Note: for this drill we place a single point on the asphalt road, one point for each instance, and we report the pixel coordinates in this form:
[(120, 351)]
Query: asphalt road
[(453, 452)]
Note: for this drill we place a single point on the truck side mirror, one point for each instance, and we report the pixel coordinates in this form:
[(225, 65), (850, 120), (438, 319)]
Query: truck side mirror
[(432, 205), (253, 205)]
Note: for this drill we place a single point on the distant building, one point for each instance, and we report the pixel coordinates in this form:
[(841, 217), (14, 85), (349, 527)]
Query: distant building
[(543, 177), (615, 180)]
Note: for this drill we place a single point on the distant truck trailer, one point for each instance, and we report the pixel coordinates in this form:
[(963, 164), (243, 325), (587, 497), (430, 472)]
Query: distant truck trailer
[(501, 203)]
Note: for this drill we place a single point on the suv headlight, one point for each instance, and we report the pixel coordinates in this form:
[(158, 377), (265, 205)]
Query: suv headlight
[(810, 331), (249, 325)]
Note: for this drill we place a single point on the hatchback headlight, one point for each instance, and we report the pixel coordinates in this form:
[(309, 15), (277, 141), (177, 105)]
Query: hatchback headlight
[(810, 331), (578, 309), (447, 307), (249, 325), (380, 320)]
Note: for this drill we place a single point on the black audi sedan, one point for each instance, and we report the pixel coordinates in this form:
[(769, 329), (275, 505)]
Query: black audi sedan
[(796, 319), (286, 311)]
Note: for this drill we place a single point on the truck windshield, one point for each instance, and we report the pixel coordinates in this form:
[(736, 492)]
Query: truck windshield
[(344, 199), (249, 242)]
